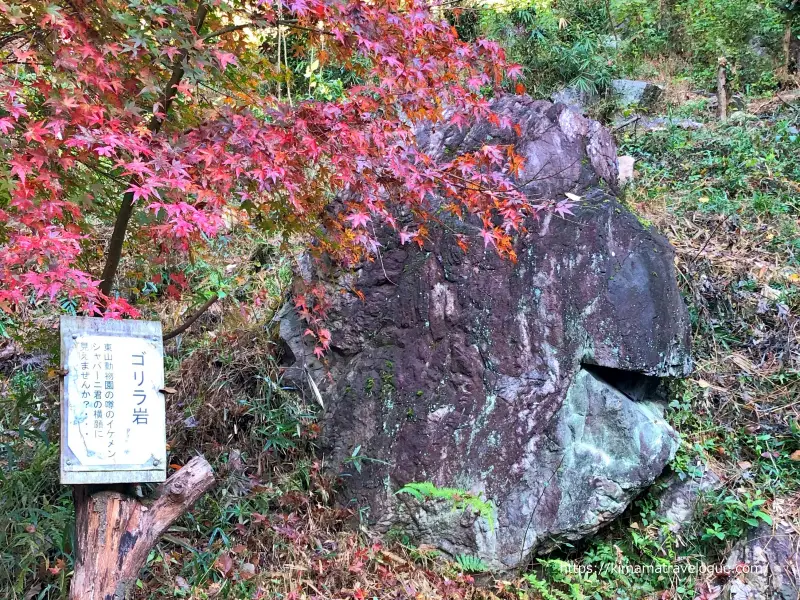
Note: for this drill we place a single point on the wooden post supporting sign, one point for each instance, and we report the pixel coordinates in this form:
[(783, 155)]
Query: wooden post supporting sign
[(113, 431)]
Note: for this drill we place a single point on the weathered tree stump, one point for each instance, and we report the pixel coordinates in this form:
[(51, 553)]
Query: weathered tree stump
[(722, 89), (115, 532)]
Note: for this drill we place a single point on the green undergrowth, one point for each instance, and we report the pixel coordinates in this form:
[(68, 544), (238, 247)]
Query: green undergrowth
[(748, 166), (268, 529), (36, 513)]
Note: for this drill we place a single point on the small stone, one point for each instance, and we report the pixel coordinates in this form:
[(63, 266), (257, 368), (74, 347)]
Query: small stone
[(247, 571), (626, 172), (678, 503)]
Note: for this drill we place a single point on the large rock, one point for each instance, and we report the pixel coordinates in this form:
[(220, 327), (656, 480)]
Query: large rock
[(766, 565), (531, 384), (630, 92), (627, 93)]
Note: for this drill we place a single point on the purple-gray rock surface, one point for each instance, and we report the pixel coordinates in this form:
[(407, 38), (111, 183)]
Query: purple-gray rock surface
[(766, 565), (531, 384)]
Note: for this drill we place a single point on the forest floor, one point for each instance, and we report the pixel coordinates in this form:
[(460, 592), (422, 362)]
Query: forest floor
[(726, 195)]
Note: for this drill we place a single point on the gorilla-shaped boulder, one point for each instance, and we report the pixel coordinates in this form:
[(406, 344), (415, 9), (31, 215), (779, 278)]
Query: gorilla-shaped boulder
[(532, 385)]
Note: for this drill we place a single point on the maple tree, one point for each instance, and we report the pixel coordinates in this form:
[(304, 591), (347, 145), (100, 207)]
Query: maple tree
[(168, 116)]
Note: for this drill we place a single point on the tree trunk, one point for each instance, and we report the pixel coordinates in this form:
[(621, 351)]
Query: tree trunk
[(722, 92), (783, 73), (611, 22), (114, 251), (115, 532), (665, 16)]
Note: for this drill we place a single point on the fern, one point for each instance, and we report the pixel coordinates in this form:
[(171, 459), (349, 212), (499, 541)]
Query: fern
[(545, 590), (557, 575), (460, 499), (471, 564)]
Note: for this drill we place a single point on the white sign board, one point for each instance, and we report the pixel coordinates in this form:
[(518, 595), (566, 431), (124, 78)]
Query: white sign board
[(113, 423)]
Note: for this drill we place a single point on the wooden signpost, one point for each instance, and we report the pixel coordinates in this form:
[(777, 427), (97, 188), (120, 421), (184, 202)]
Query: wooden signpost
[(113, 432)]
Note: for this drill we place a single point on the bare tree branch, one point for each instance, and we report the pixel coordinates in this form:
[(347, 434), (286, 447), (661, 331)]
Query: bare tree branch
[(191, 319)]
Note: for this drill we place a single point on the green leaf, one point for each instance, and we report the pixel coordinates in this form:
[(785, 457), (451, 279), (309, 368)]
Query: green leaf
[(764, 517)]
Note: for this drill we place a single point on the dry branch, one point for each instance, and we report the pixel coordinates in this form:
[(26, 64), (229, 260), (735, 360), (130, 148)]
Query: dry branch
[(191, 319)]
